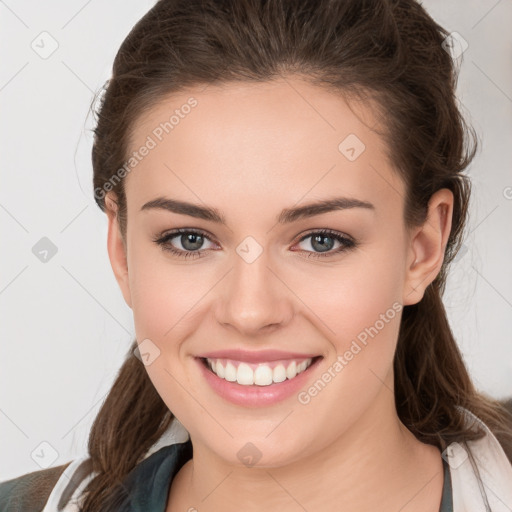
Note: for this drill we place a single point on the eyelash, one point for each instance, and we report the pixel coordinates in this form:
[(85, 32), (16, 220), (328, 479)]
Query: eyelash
[(163, 241)]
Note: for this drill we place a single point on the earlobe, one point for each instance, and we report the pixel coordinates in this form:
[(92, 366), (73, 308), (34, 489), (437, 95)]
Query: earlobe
[(116, 249), (427, 247)]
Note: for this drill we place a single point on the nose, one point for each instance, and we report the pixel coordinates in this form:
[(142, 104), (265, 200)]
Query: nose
[(254, 298)]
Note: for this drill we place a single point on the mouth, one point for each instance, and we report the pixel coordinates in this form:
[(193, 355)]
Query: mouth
[(258, 374)]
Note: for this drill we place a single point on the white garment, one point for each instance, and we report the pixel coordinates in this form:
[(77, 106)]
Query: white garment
[(494, 492), (484, 456), (176, 433)]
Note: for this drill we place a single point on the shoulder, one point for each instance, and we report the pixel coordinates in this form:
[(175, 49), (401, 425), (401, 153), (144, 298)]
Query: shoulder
[(29, 492), (477, 467)]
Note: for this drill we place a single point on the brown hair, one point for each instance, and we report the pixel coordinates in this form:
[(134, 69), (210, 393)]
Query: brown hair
[(387, 51)]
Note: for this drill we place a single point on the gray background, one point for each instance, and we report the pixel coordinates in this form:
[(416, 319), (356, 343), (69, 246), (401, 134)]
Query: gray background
[(65, 327)]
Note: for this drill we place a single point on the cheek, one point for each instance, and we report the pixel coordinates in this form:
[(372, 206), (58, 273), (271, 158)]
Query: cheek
[(357, 307), (163, 292), (163, 295), (351, 296)]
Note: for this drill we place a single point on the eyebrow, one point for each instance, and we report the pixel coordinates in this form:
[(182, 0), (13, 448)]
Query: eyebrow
[(286, 216)]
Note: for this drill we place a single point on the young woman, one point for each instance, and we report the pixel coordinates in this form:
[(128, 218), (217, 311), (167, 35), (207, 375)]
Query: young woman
[(285, 191)]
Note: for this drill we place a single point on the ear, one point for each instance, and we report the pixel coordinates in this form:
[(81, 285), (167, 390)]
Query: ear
[(427, 246), (116, 248)]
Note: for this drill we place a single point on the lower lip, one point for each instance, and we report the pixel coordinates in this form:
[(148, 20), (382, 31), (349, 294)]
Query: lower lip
[(256, 396)]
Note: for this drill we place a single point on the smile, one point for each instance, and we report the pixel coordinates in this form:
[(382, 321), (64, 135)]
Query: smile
[(257, 384), (262, 374)]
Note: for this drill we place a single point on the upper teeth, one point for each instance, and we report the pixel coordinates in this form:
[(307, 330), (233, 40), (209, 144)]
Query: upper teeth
[(262, 375)]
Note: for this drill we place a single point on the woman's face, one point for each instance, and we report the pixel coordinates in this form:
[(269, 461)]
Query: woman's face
[(265, 279)]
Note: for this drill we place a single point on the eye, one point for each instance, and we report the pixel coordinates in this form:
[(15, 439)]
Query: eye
[(324, 240), (190, 240)]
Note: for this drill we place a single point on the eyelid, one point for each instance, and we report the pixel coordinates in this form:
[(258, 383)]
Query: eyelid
[(167, 235), (325, 231), (347, 242), (206, 234)]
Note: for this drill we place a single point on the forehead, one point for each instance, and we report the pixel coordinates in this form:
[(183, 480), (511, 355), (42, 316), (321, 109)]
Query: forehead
[(284, 140)]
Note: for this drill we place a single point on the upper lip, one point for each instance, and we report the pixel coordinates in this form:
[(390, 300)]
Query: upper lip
[(259, 356)]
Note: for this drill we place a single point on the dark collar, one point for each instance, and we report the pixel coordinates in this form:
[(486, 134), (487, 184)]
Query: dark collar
[(146, 487), (447, 499)]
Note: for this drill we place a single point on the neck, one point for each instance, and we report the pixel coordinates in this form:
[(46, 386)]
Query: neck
[(377, 464)]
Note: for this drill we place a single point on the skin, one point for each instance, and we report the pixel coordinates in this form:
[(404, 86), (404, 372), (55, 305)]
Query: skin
[(251, 150)]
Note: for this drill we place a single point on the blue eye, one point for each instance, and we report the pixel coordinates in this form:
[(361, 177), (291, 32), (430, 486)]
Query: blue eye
[(189, 240), (324, 240), (192, 240)]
